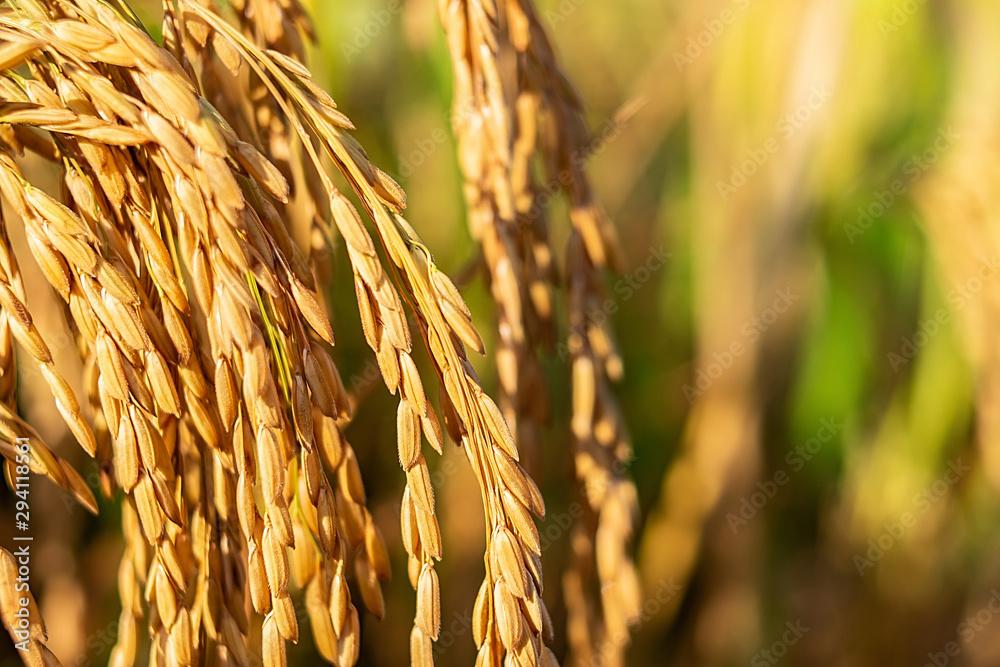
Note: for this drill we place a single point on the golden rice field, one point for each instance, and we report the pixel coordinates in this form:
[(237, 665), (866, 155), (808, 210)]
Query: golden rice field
[(500, 332)]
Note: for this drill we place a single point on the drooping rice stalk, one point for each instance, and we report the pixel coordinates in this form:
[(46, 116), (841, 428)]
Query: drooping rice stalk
[(192, 283), (513, 107)]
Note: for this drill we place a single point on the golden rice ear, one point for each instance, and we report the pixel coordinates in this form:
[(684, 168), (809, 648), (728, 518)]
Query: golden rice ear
[(505, 127), (181, 250)]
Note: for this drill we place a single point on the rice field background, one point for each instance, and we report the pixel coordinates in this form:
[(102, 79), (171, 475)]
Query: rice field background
[(808, 314)]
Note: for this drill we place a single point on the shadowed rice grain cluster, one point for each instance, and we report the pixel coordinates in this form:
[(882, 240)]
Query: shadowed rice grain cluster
[(513, 108)]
